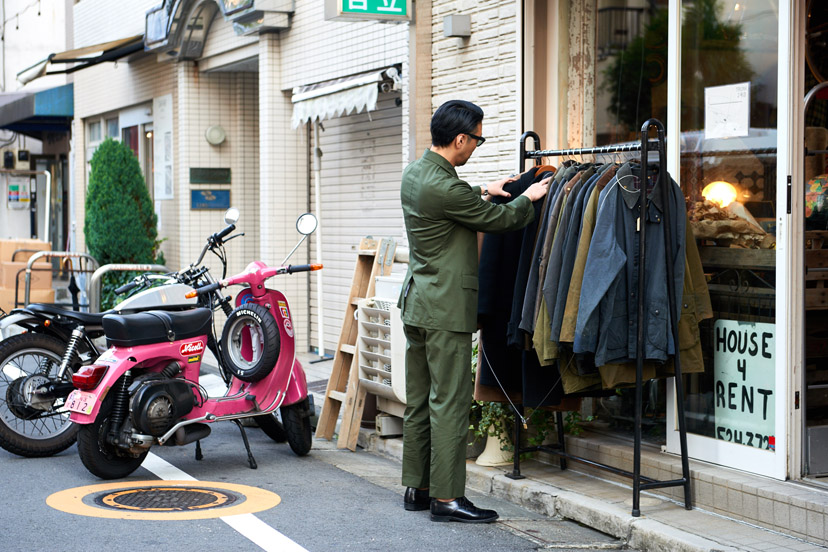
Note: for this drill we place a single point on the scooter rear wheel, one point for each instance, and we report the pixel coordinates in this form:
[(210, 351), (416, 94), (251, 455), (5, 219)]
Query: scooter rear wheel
[(100, 457), (272, 427), (250, 342)]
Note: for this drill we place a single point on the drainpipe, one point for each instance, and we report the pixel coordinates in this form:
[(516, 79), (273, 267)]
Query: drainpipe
[(317, 178)]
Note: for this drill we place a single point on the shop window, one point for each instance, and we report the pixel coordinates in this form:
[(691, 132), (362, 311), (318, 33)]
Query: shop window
[(728, 176), (630, 68)]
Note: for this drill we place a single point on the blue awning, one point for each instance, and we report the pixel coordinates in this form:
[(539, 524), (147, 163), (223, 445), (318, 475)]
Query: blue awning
[(37, 112)]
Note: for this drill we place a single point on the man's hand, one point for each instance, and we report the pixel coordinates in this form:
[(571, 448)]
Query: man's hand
[(496, 187), (537, 190)]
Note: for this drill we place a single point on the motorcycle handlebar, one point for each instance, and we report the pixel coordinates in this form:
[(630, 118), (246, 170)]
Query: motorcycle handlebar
[(209, 288), (126, 287), (220, 235)]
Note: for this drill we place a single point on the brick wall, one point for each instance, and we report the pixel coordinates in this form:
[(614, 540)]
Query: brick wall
[(480, 69)]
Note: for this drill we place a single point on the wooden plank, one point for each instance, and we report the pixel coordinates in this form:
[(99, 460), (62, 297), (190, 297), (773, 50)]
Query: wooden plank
[(348, 348), (731, 257), (337, 396)]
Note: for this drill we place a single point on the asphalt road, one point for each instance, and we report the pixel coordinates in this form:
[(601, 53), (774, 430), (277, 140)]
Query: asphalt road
[(330, 500)]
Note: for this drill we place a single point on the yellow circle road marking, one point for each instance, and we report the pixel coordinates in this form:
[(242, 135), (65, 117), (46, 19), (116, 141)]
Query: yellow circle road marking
[(71, 501)]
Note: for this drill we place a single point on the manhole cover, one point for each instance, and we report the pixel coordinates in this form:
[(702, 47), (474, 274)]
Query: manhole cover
[(166, 499), (163, 500)]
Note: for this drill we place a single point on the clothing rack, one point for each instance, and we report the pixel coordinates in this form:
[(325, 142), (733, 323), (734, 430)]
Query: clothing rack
[(639, 482)]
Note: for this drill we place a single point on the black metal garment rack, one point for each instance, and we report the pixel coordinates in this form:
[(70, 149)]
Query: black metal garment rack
[(639, 482)]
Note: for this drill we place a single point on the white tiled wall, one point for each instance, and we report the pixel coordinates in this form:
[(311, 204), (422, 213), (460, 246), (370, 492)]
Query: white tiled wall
[(283, 181), (98, 21), (481, 69), (315, 50), (231, 101)]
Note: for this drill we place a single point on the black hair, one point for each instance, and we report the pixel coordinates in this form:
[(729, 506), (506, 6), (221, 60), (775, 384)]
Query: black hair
[(452, 118)]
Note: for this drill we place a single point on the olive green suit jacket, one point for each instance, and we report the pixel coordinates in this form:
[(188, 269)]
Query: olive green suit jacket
[(442, 217)]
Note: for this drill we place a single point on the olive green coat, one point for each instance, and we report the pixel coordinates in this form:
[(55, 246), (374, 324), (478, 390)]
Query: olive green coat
[(442, 216)]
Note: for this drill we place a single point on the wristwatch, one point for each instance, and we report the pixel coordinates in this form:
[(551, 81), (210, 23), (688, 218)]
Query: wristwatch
[(485, 190)]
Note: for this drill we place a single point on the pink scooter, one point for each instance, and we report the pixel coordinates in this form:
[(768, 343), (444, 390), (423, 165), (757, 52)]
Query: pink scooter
[(145, 389)]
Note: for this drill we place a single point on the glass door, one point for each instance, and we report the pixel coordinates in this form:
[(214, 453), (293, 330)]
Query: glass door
[(726, 144)]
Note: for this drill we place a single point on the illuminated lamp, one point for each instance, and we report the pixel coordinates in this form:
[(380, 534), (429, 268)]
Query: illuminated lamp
[(720, 192)]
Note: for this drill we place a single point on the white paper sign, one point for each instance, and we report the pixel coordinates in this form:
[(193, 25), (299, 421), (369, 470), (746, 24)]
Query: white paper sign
[(745, 383), (727, 110), (162, 147)]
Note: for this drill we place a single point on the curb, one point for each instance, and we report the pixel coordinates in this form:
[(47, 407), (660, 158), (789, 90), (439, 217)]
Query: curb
[(640, 533)]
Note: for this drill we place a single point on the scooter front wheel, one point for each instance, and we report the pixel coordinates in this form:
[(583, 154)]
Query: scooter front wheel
[(298, 426), (97, 454)]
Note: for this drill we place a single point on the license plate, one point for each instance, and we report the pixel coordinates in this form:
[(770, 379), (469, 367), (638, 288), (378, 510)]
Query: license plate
[(81, 401)]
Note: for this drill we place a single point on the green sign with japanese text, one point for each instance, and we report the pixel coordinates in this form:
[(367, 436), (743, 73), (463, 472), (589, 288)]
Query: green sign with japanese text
[(379, 7), (366, 10)]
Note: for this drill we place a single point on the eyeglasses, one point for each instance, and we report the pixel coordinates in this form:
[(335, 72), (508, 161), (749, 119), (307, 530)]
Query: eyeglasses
[(479, 139)]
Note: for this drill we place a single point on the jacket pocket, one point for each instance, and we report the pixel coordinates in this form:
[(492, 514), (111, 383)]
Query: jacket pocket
[(467, 281), (657, 333)]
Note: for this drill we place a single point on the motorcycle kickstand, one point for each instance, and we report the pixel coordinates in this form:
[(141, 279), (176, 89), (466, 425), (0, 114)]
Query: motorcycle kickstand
[(250, 459), (198, 455)]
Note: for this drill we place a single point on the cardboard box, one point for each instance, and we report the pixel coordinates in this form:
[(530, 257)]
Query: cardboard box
[(41, 275), (8, 247), (36, 296)]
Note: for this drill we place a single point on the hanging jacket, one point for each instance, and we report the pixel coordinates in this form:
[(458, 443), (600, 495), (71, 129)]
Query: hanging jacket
[(607, 323)]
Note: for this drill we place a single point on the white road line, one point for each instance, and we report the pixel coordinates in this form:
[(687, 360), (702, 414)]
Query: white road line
[(214, 385), (248, 525)]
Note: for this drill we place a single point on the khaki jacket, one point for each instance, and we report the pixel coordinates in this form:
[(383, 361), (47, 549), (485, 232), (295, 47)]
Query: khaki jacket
[(442, 217)]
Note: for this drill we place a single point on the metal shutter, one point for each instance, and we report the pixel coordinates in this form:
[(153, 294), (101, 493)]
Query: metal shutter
[(360, 196)]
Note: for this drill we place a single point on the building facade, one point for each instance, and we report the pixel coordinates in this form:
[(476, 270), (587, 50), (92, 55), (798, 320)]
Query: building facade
[(727, 79)]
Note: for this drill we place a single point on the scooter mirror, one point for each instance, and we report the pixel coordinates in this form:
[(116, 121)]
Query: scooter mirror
[(306, 224), (231, 216)]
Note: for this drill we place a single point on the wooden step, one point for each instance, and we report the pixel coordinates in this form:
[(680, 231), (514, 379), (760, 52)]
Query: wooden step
[(337, 395)]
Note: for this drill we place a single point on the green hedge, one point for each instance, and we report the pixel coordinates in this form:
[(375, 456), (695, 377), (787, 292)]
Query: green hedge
[(120, 226)]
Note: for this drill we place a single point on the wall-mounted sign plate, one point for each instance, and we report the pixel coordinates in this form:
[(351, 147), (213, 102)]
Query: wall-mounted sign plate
[(209, 176), (210, 199)]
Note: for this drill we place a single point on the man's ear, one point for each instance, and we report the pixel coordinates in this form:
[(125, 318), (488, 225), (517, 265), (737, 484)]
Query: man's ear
[(459, 140)]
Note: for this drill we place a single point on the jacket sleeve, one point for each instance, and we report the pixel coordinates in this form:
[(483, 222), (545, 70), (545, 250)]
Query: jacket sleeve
[(465, 207)]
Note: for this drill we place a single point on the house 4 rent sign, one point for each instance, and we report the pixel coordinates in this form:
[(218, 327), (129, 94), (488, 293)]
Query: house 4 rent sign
[(744, 371), (368, 10)]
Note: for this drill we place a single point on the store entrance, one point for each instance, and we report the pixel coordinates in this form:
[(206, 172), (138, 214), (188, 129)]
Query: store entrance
[(815, 386)]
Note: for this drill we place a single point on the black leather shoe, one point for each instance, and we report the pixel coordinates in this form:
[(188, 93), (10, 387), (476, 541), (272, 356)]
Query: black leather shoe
[(416, 500), (460, 509)]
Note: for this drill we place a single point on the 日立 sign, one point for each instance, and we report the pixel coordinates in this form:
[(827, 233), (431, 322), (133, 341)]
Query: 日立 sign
[(367, 10), (745, 383)]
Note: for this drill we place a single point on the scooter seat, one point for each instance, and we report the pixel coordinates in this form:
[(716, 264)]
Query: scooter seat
[(85, 318), (144, 328)]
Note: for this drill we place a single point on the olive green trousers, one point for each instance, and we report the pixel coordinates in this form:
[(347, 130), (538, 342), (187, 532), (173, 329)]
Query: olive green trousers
[(438, 389)]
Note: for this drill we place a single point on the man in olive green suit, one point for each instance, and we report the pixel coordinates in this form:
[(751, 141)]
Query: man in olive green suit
[(439, 308)]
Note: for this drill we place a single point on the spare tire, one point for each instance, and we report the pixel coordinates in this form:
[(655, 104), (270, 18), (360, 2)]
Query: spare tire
[(250, 342)]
